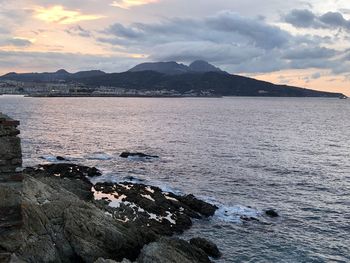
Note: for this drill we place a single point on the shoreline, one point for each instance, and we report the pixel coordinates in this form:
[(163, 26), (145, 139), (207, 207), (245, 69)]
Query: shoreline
[(54, 213)]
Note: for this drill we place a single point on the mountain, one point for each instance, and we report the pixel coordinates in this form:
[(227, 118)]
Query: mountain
[(59, 75), (161, 67), (199, 77), (174, 68), (217, 83), (203, 66)]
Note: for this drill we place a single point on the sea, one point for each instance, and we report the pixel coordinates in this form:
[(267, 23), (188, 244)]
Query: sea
[(243, 154)]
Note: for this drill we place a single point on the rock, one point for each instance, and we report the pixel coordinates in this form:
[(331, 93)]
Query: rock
[(78, 177), (207, 246), (60, 227), (150, 207), (172, 250), (271, 213), (60, 158), (137, 155), (199, 206)]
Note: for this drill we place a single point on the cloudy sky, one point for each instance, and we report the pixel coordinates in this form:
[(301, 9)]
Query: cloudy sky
[(294, 42)]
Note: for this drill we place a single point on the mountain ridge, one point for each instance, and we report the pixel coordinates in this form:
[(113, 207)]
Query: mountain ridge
[(199, 76)]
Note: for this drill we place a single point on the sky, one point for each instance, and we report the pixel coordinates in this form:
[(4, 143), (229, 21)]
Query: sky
[(294, 42)]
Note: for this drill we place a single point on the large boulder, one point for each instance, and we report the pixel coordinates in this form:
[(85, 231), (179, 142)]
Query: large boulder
[(172, 250), (207, 246)]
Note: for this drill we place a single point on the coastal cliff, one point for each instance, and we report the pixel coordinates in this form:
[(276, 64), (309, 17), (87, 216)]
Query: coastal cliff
[(54, 213)]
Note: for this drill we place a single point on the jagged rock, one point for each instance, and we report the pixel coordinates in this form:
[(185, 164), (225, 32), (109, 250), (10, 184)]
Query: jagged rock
[(172, 251), (271, 213), (76, 177), (207, 246), (137, 154), (150, 207), (199, 206)]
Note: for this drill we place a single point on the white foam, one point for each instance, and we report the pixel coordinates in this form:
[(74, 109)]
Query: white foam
[(49, 158), (234, 213)]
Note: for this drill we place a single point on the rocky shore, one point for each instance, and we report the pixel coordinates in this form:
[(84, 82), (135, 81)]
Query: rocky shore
[(53, 213)]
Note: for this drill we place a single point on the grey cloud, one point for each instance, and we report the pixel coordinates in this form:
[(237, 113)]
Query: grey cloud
[(236, 43), (309, 53), (224, 27), (78, 31), (15, 42), (307, 19)]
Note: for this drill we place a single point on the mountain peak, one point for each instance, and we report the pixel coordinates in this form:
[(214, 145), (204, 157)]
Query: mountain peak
[(203, 66), (170, 67), (62, 71)]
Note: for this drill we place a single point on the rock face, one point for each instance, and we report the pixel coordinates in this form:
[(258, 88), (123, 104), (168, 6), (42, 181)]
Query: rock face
[(10, 145), (10, 187)]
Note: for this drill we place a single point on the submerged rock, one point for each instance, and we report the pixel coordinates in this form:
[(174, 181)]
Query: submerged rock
[(60, 158), (271, 213), (137, 155), (207, 246)]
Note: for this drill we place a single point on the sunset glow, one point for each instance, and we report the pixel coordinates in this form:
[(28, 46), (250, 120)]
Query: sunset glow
[(57, 14)]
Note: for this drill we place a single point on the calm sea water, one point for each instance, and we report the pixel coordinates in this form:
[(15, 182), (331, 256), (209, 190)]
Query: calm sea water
[(244, 154)]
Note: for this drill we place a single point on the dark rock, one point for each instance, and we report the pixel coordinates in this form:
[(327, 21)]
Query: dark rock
[(172, 250), (199, 206), (207, 246), (137, 154), (60, 158), (164, 213), (271, 213)]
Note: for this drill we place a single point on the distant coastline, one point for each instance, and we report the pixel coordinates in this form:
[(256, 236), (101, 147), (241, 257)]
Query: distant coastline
[(159, 79)]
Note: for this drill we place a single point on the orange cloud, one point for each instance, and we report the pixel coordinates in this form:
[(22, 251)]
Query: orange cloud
[(126, 4), (57, 14)]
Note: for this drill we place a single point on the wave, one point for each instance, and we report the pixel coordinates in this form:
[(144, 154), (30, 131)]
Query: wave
[(234, 214)]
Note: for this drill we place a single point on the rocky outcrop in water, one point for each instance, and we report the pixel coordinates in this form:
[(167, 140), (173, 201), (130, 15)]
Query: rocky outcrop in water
[(137, 155)]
